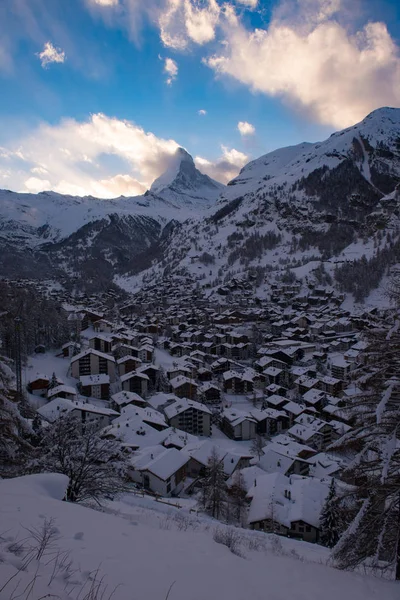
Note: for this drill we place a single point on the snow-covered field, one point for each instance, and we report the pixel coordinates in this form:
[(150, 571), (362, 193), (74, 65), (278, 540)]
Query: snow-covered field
[(139, 553)]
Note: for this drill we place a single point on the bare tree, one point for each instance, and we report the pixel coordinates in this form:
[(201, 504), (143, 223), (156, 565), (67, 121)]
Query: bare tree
[(96, 467), (257, 446), (214, 486), (237, 495)]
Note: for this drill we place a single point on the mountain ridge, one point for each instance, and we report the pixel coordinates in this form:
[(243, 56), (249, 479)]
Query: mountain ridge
[(310, 201)]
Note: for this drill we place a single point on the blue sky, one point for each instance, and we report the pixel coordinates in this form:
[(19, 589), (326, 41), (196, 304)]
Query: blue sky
[(97, 94)]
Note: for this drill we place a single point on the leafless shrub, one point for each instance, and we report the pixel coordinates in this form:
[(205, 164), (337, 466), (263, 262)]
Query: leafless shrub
[(45, 538), (229, 537)]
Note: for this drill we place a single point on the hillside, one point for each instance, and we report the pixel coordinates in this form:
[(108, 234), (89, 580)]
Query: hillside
[(299, 213), (120, 551), (300, 209)]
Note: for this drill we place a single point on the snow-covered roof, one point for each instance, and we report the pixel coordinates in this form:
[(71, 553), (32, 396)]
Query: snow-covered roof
[(180, 380), (178, 406), (287, 499), (100, 379), (52, 410), (92, 351), (67, 389), (166, 463), (126, 398), (128, 376)]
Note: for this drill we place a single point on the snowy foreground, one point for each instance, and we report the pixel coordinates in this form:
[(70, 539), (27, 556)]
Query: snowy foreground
[(137, 551)]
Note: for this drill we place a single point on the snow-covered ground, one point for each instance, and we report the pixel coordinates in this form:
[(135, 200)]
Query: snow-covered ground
[(135, 552)]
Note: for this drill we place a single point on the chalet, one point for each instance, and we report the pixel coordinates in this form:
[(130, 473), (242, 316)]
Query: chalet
[(269, 421), (160, 470), (101, 342), (93, 362), (289, 506), (293, 410), (90, 318), (340, 368), (188, 415), (95, 386), (152, 372), (238, 425), (331, 385), (275, 401), (199, 454), (146, 353), (209, 393), (127, 364), (184, 387), (85, 412), (122, 399), (135, 382), (69, 349), (62, 391), (103, 326), (38, 385)]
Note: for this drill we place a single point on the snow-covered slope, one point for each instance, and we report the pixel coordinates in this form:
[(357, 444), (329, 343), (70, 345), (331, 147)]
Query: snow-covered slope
[(184, 184), (370, 144), (297, 206), (138, 553)]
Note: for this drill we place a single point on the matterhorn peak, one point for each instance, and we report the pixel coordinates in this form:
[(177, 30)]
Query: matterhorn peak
[(182, 182)]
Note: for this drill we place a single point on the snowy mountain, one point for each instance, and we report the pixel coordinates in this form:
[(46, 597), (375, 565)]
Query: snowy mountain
[(296, 212), (301, 209), (183, 184), (67, 234)]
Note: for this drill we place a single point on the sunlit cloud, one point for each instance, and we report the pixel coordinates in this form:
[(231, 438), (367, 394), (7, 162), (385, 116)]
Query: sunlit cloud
[(184, 21), (226, 167), (103, 156), (50, 54), (246, 128), (314, 63), (171, 69)]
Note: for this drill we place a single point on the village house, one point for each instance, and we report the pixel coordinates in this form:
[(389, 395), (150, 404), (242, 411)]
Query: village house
[(184, 387), (93, 362), (238, 425), (127, 364), (188, 415), (123, 398), (101, 342), (62, 391), (38, 384), (160, 470), (135, 382), (209, 393), (95, 386), (289, 506), (84, 411)]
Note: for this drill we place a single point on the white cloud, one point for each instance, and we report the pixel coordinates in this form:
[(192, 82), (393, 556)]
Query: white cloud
[(226, 167), (103, 156), (36, 185), (246, 128), (249, 3), (50, 54), (171, 69), (202, 112), (183, 21), (310, 59), (105, 2)]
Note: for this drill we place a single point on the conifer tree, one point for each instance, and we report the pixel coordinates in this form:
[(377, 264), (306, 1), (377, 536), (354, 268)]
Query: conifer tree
[(330, 519), (373, 501)]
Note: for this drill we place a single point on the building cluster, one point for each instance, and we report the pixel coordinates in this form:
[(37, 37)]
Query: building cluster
[(265, 385)]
